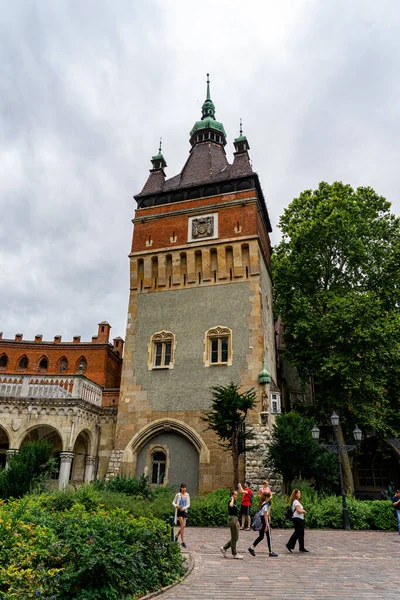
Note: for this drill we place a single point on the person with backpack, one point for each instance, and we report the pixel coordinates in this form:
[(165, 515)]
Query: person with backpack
[(247, 499), (261, 523)]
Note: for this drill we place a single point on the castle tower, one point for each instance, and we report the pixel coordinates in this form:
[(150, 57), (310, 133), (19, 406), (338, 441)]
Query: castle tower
[(200, 309)]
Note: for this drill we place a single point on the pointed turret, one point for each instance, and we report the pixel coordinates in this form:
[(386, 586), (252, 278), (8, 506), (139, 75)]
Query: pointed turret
[(241, 144), (158, 161), (156, 179), (241, 160), (208, 129)]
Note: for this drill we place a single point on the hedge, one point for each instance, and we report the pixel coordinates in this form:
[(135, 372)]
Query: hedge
[(51, 550)]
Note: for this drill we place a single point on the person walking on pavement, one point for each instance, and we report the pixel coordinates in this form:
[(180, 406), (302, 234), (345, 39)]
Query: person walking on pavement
[(264, 508), (396, 506), (181, 504), (247, 496), (233, 524), (298, 522)]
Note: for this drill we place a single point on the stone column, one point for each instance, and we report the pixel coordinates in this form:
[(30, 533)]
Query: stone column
[(90, 461), (66, 459), (9, 455)]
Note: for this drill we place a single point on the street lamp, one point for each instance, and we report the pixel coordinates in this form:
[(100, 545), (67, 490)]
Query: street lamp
[(338, 447)]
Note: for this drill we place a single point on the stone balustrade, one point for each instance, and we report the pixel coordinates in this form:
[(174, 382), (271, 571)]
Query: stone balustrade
[(46, 386)]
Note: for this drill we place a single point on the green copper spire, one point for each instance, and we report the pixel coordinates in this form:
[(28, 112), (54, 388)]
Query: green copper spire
[(208, 108), (215, 130), (263, 376), (158, 160), (241, 144)]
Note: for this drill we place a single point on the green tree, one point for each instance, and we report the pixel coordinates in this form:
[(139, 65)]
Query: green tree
[(28, 468), (295, 455), (227, 417), (337, 291)]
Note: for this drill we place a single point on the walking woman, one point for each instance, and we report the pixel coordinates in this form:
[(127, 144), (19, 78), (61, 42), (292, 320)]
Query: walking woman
[(264, 508), (181, 503), (298, 522), (233, 525)]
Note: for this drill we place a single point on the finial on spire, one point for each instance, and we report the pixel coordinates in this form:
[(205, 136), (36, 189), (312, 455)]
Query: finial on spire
[(240, 130), (159, 150), (208, 87)]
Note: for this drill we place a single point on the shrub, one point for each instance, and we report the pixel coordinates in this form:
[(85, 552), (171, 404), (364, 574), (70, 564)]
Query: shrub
[(80, 554), (127, 485), (27, 469)]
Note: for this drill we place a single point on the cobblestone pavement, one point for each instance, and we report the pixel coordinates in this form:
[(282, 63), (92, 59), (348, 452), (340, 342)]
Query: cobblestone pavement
[(345, 565)]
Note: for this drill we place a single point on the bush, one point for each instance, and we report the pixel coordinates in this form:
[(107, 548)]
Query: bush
[(127, 485), (79, 554), (27, 469)]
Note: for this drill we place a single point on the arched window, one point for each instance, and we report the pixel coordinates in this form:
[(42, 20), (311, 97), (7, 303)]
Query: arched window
[(3, 361), (23, 363), (43, 364), (63, 364), (162, 350), (81, 365), (218, 346), (158, 465)]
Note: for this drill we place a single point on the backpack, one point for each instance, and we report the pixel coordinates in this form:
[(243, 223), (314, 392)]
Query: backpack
[(251, 498), (289, 513), (258, 520)]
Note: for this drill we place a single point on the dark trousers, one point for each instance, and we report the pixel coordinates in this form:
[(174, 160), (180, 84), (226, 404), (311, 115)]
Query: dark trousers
[(233, 526), (261, 534), (298, 534)]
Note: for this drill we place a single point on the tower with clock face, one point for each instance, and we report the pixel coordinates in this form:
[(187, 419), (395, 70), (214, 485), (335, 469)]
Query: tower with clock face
[(200, 311)]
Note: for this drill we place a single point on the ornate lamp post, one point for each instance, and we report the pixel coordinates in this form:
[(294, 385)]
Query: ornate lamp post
[(338, 447)]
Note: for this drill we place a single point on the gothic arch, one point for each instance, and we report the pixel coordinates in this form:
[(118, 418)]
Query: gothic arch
[(23, 362), (3, 361), (43, 363), (49, 429), (81, 365), (88, 437), (159, 426)]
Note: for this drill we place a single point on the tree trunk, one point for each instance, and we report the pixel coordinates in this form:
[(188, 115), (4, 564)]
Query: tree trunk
[(348, 479), (235, 458)]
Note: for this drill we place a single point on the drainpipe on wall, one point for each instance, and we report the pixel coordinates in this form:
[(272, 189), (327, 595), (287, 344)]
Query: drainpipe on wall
[(96, 468)]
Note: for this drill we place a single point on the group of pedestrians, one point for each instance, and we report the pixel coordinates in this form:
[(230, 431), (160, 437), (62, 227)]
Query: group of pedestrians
[(181, 503)]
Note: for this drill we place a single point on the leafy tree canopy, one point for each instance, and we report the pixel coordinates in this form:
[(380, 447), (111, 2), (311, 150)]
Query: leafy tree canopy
[(337, 291), (226, 418), (294, 454)]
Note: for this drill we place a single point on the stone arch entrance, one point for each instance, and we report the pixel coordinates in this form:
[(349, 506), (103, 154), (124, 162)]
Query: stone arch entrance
[(4, 446), (82, 459), (169, 452), (49, 433)]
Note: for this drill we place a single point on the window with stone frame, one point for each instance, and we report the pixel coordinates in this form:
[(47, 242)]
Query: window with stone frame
[(158, 467), (162, 350), (218, 346)]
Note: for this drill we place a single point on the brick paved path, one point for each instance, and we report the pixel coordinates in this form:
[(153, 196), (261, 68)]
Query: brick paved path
[(345, 565)]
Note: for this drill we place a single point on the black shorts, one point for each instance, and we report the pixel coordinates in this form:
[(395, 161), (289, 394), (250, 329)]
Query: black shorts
[(245, 510), (183, 514)]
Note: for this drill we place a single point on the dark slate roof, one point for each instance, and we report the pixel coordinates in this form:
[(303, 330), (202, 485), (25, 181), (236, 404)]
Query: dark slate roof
[(207, 162)]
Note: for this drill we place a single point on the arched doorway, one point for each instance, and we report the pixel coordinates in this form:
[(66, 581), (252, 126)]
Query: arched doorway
[(374, 468), (4, 446), (46, 432), (169, 458), (81, 450)]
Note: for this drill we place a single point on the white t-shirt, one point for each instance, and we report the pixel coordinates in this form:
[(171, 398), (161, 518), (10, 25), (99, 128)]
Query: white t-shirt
[(297, 515)]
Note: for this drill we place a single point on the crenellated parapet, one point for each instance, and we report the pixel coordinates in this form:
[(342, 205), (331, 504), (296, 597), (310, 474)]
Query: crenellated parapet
[(190, 267)]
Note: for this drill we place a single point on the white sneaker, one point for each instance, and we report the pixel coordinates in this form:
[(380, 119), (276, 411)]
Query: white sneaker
[(223, 551), (238, 556)]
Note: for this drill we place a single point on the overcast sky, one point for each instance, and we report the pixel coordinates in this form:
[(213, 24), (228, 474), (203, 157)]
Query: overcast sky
[(87, 87)]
